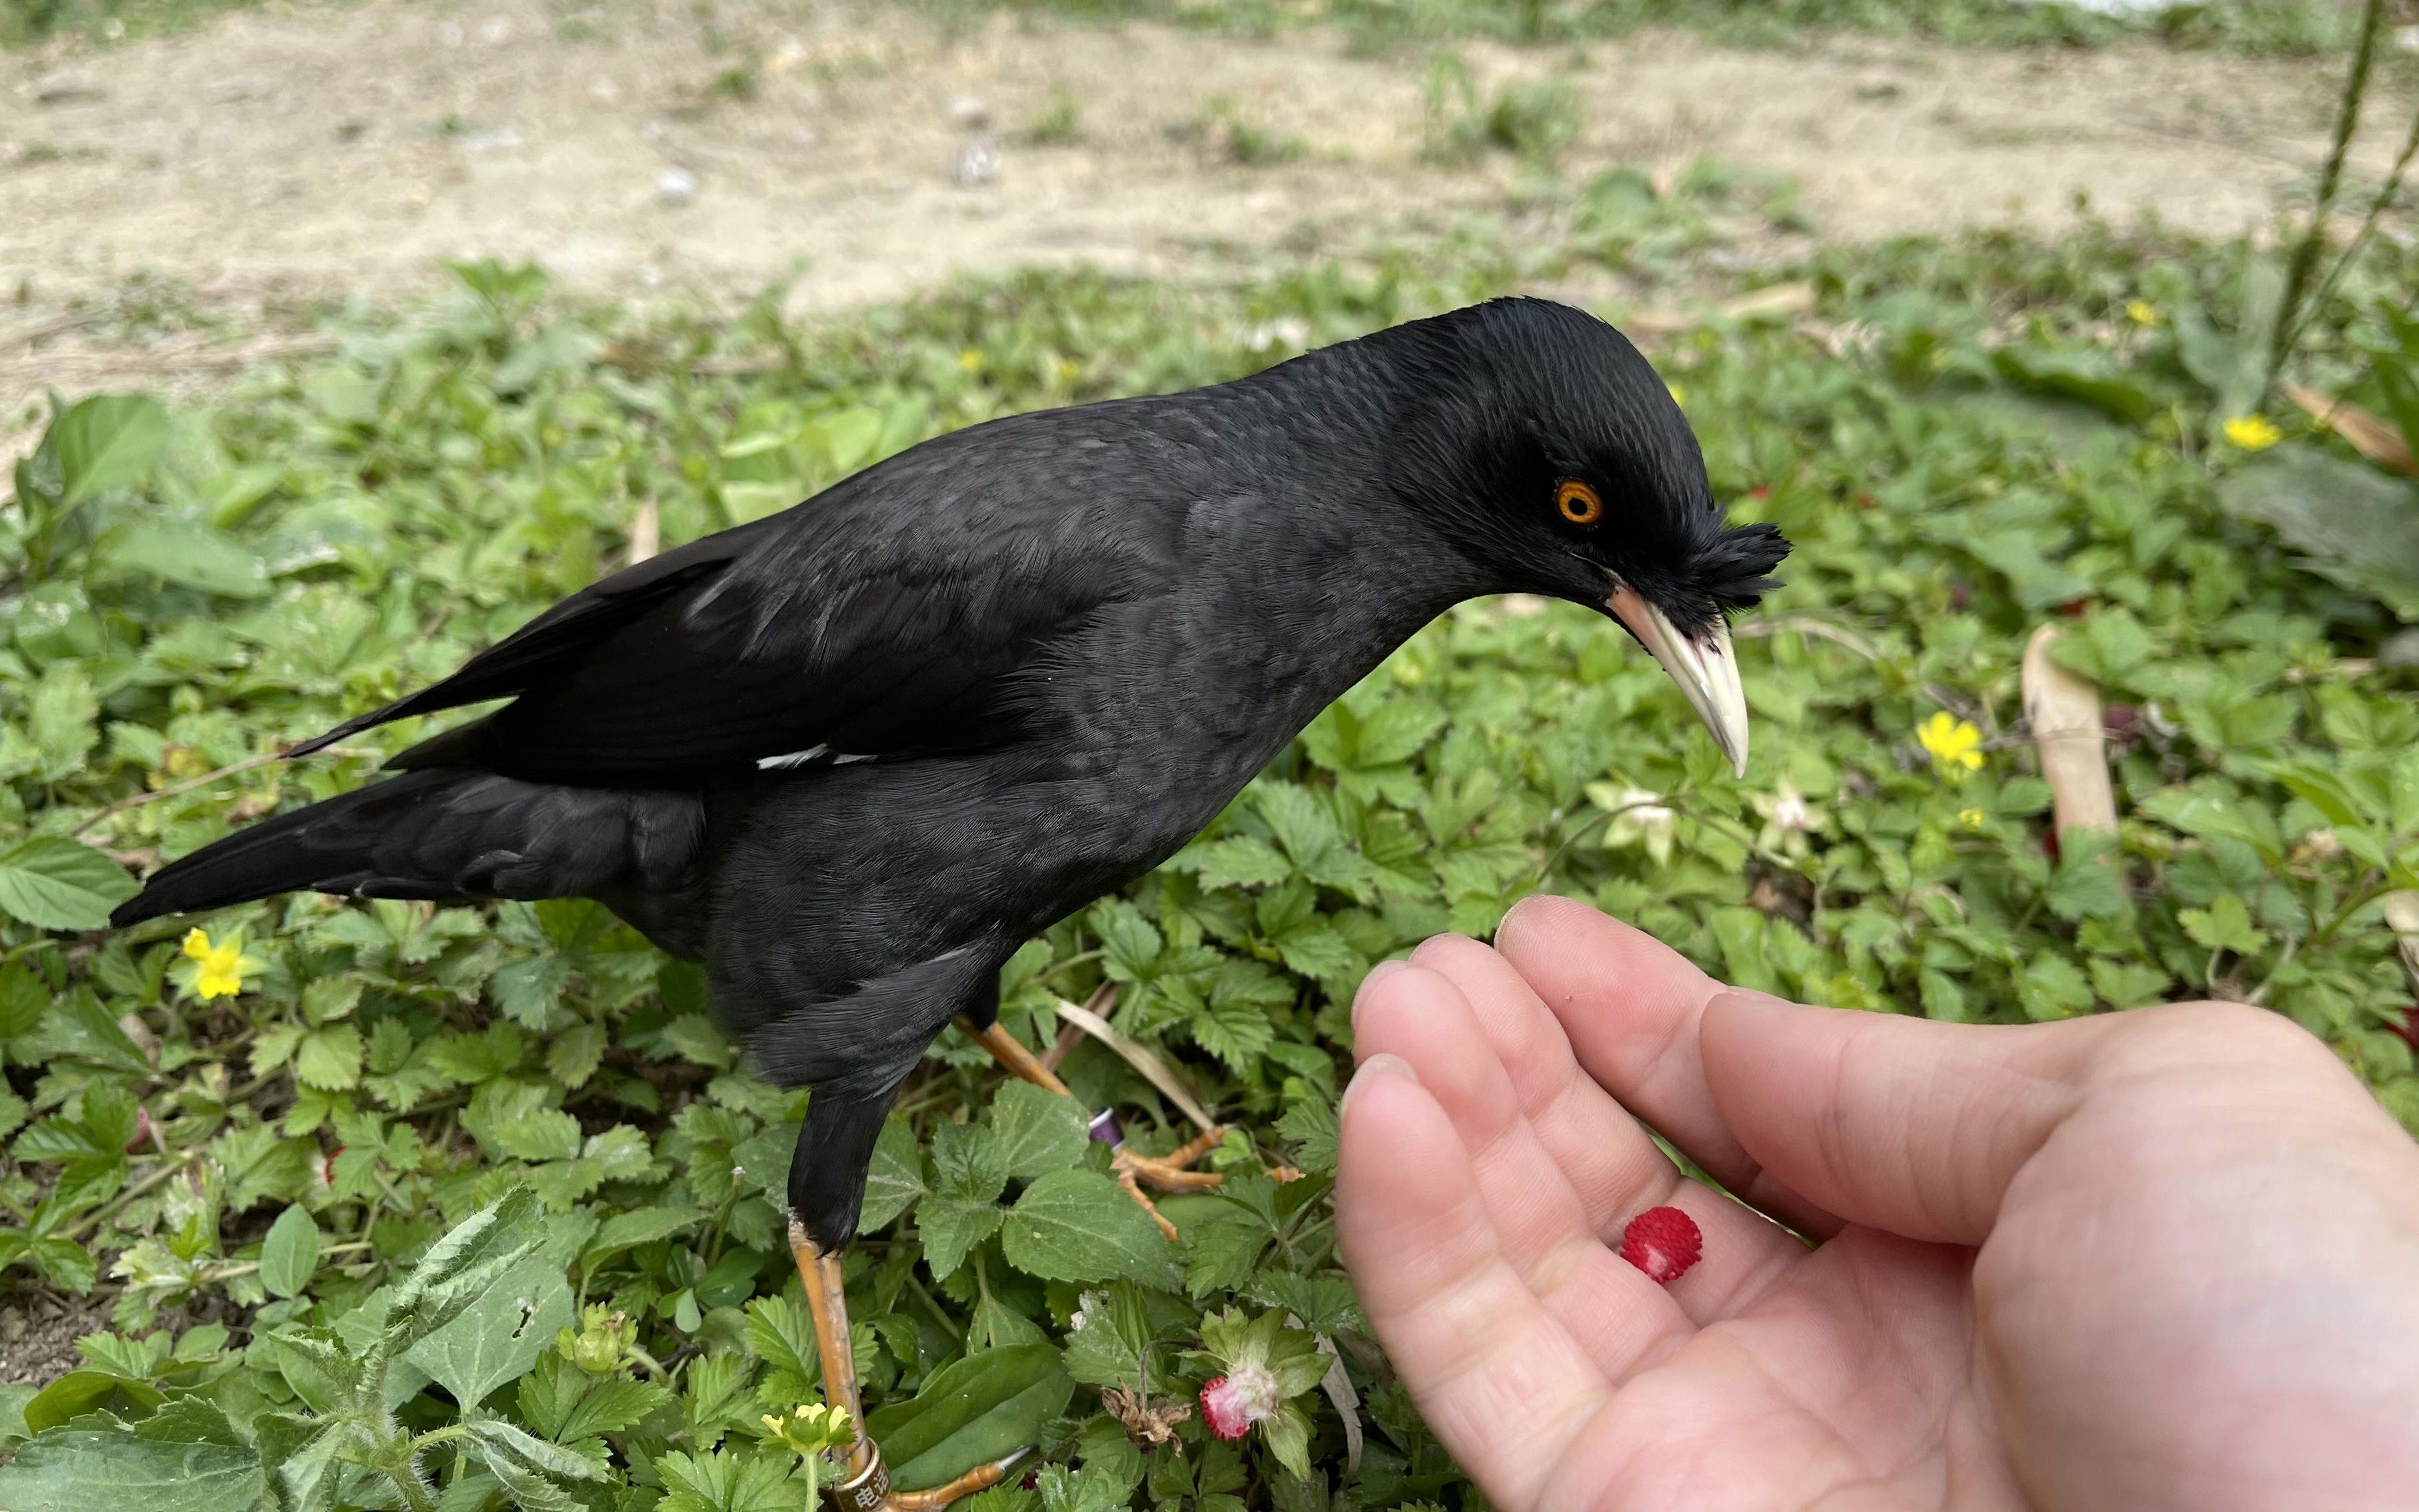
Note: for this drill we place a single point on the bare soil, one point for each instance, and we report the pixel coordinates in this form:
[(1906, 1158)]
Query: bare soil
[(655, 147)]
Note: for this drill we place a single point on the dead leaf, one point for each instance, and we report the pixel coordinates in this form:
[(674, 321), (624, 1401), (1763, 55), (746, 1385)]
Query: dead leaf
[(2372, 436)]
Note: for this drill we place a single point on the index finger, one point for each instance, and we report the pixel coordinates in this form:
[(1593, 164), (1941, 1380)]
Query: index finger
[(1631, 1007), (1502, 1385)]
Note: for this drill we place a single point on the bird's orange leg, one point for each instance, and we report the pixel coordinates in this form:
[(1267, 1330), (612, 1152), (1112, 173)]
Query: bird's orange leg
[(866, 1486), (1171, 1172)]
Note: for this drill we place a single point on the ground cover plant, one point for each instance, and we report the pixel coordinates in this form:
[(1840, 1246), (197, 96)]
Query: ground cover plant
[(388, 1205)]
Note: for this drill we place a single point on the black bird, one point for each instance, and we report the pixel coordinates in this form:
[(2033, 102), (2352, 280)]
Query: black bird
[(851, 755)]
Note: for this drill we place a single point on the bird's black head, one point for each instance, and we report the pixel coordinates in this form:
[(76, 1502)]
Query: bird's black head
[(1540, 442)]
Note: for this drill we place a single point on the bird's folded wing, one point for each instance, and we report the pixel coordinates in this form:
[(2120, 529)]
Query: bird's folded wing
[(732, 664)]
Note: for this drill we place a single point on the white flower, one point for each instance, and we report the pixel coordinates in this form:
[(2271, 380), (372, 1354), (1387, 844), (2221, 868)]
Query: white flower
[(1640, 819)]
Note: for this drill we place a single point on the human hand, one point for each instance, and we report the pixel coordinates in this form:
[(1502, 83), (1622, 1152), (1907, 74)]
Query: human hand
[(2167, 1259)]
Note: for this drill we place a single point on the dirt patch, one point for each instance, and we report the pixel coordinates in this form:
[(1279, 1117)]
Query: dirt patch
[(662, 146), (37, 1335)]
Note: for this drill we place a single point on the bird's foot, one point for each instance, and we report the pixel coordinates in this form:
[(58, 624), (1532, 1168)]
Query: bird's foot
[(1173, 1172), (866, 1487)]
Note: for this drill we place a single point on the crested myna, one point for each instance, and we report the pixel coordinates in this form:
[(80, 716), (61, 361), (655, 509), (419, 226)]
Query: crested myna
[(851, 755)]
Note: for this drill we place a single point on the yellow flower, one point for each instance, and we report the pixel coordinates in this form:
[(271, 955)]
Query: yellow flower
[(2140, 313), (1679, 394), (811, 1430), (970, 360), (1953, 743), (218, 969), (1971, 818), (2252, 433)]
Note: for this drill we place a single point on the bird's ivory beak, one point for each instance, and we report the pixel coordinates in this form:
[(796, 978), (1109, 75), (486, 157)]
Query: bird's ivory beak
[(1704, 667)]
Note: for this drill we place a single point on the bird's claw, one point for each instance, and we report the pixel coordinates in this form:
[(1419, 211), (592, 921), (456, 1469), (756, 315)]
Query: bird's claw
[(868, 1489)]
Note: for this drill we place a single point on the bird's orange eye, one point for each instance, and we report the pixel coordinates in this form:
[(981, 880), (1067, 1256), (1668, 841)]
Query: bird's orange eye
[(1578, 502)]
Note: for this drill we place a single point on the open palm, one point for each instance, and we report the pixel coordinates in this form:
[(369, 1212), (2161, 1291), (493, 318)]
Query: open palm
[(2035, 1286)]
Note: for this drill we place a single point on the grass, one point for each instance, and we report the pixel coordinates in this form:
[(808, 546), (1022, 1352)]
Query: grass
[(1966, 441)]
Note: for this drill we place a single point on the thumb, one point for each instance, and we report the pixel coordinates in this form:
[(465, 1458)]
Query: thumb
[(1896, 1123)]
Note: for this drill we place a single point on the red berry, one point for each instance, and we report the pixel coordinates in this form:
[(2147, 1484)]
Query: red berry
[(1221, 1414), (1664, 1242)]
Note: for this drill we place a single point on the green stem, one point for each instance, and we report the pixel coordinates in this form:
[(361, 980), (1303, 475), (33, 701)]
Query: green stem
[(118, 1204), (2360, 237), (2360, 899), (2305, 256)]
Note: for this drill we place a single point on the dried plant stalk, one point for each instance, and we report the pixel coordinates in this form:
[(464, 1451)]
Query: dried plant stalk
[(2064, 713), (2402, 916)]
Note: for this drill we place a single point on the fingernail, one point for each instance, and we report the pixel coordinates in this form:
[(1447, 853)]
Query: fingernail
[(1510, 924), (1377, 1066)]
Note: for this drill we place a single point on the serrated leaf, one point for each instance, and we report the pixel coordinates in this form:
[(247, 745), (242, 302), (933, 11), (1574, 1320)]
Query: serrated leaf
[(1038, 1131), (94, 1470), (1313, 1128), (498, 1335), (1080, 1226), (529, 1467), (896, 1180), (289, 1256), (459, 1268), (330, 1058), (613, 1404), (2224, 925), (1243, 862), (57, 884), (951, 1227)]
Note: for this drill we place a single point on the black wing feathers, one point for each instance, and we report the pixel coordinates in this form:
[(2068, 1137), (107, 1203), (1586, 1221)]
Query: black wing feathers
[(560, 636), (858, 625)]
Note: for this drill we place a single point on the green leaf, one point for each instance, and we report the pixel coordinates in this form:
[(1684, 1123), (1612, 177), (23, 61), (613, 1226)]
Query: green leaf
[(896, 1180), (192, 556), (1312, 1127), (781, 1334), (100, 1471), (530, 1468), (950, 1227), (1038, 1131), (1079, 1226), (1243, 862), (614, 1404), (105, 441), (57, 884), (969, 1163), (330, 1058), (640, 1226), (500, 1335), (462, 1266), (289, 1256), (982, 1409), (2358, 527), (2224, 925), (79, 1392)]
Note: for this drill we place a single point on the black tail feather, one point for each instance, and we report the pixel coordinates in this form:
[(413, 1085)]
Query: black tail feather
[(444, 835)]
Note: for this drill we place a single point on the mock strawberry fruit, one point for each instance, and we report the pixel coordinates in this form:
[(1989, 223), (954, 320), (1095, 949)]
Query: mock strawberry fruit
[(1246, 1395), (1664, 1242)]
